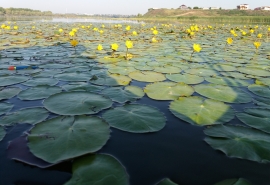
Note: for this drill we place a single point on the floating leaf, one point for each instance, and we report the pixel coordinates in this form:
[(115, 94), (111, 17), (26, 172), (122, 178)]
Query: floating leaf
[(63, 138), (199, 111), (202, 72), (234, 182), (74, 77), (110, 80), (41, 81), (28, 115), (76, 103), (240, 142), (12, 79), (8, 93), (118, 94), (147, 76), (38, 92), (121, 70), (166, 182), (262, 101), (167, 69), (168, 90), (260, 90), (98, 169), (135, 118), (254, 71), (258, 118), (223, 93), (5, 107), (227, 81), (82, 86), (185, 78)]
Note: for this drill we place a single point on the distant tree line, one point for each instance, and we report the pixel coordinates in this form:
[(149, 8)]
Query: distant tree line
[(23, 11)]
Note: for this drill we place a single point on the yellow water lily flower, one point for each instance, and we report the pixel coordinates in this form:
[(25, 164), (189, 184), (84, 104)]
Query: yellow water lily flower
[(134, 33), (197, 47), (229, 40), (83, 27), (74, 30), (99, 47), (257, 44), (95, 29), (235, 35), (259, 35), (192, 33), (251, 31), (72, 33), (114, 46), (102, 26), (15, 27), (3, 26), (154, 40), (129, 44), (7, 27), (244, 33), (60, 30), (232, 32), (74, 43), (269, 29), (128, 28), (33, 27), (155, 32), (101, 31)]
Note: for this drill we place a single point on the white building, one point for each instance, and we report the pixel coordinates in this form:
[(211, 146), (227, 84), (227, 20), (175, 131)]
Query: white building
[(263, 8), (243, 7), (213, 8), (183, 7)]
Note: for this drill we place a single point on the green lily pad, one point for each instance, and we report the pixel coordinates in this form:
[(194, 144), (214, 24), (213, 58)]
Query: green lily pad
[(121, 70), (223, 67), (76, 103), (74, 77), (82, 86), (264, 102), (202, 72), (12, 79), (254, 71), (166, 182), (8, 93), (235, 75), (2, 133), (98, 169), (144, 68), (5, 107), (135, 118), (260, 90), (38, 92), (41, 81), (129, 93), (223, 93), (147, 76), (70, 137), (185, 78), (28, 115), (54, 66), (198, 111), (234, 182), (240, 142), (258, 118), (110, 80), (167, 69), (227, 81)]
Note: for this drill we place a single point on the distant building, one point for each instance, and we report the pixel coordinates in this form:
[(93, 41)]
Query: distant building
[(213, 8), (205, 8), (243, 7), (263, 8), (183, 7)]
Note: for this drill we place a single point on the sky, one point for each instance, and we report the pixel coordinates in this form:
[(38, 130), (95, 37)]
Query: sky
[(125, 7)]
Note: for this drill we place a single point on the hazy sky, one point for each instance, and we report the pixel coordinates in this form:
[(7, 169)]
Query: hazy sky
[(121, 6)]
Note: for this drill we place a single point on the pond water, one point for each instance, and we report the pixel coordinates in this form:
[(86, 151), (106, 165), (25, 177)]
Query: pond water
[(178, 151)]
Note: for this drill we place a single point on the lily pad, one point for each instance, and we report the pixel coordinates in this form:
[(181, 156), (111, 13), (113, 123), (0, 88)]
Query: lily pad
[(2, 133), (12, 79), (263, 81), (5, 107), (41, 81), (70, 137), (202, 72), (240, 142), (121, 70), (260, 90), (185, 78), (254, 71), (223, 93), (110, 80), (82, 86), (167, 90), (118, 94), (98, 169), (76, 103), (8, 93), (167, 69), (198, 111), (264, 102), (74, 77), (27, 115), (135, 118), (227, 81), (38, 92), (234, 182), (166, 182), (147, 76), (258, 118)]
